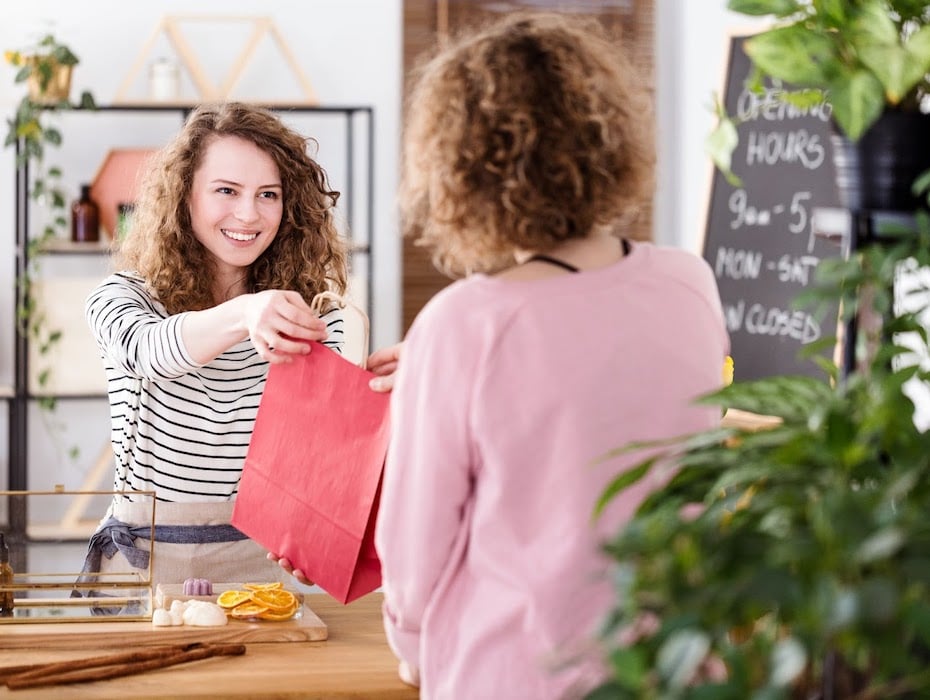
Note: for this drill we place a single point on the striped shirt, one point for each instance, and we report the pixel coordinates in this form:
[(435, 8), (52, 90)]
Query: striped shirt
[(179, 428)]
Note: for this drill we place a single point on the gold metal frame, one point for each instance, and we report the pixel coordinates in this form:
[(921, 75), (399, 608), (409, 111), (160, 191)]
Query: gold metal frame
[(136, 587)]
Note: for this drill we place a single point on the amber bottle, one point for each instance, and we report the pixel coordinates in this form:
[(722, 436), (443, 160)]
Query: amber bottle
[(85, 218), (6, 579)]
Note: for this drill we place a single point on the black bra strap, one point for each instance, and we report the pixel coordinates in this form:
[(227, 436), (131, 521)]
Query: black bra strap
[(554, 261), (571, 268)]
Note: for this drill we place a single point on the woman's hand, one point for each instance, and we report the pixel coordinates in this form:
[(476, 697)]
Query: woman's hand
[(280, 323), (286, 565), (384, 362)]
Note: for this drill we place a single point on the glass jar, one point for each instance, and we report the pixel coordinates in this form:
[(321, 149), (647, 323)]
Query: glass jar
[(164, 80)]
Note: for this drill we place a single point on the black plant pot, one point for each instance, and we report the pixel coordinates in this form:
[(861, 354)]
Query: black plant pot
[(876, 172)]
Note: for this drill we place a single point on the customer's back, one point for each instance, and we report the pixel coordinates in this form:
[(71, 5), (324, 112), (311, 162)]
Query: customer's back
[(527, 156)]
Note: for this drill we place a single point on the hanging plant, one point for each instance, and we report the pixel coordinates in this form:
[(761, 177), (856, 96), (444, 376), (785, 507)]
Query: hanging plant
[(46, 70), (866, 58)]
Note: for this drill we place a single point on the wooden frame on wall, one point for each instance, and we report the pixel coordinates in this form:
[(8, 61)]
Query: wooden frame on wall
[(171, 27)]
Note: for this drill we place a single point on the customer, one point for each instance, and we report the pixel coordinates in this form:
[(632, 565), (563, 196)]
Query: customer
[(232, 237), (527, 155)]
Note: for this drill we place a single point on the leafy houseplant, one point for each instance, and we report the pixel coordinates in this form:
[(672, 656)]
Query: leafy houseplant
[(867, 57), (791, 561), (46, 70)]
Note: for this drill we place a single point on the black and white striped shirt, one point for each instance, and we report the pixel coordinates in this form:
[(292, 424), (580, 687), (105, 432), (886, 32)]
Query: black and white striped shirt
[(179, 428)]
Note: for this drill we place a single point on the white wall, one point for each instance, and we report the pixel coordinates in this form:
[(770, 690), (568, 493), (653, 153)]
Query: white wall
[(692, 40)]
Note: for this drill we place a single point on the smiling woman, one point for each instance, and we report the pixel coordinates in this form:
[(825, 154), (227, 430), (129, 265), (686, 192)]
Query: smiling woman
[(222, 262)]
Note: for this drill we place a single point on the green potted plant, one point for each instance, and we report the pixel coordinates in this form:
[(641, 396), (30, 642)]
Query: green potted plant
[(45, 68), (791, 561), (870, 59)]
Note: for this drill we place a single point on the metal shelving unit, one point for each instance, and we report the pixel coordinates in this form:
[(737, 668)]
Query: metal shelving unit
[(359, 127)]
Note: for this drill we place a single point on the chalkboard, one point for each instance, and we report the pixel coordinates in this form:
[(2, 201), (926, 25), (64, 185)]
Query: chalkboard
[(759, 238)]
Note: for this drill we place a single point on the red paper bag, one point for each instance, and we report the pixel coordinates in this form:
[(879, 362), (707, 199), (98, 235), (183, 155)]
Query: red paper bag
[(310, 487)]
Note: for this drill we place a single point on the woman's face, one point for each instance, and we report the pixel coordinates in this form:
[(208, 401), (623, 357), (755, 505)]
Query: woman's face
[(236, 204)]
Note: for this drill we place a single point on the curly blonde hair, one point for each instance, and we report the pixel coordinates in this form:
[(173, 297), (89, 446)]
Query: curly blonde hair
[(307, 255), (522, 135)]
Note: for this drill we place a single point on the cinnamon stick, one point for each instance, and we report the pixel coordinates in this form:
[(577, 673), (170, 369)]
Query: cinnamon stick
[(38, 678), (106, 660)]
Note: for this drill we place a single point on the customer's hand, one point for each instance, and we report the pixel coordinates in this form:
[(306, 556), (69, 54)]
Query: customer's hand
[(286, 565), (384, 363), (409, 674)]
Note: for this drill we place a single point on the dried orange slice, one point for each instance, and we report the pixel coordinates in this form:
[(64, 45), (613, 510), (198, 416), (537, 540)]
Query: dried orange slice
[(230, 599), (284, 615), (275, 600), (250, 609), (263, 586)]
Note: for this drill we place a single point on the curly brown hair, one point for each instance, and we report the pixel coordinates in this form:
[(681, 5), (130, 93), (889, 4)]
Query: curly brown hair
[(308, 255), (522, 135)]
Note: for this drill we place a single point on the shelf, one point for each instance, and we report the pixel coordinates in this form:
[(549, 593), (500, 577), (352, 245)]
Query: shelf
[(60, 246), (144, 106), (169, 105), (23, 395), (55, 532), (66, 397)]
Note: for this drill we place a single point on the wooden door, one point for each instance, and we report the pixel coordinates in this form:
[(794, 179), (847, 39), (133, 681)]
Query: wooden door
[(428, 21)]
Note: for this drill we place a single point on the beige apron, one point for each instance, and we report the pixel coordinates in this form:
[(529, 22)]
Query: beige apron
[(241, 561)]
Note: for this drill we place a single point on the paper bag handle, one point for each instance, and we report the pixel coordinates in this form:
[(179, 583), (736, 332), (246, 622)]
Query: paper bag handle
[(340, 301)]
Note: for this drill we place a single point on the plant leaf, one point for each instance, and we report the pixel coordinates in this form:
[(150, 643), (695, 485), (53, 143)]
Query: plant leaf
[(622, 481), (788, 661), (681, 655), (858, 100), (756, 8), (794, 54), (898, 66), (834, 11), (629, 666), (881, 545), (720, 145), (53, 136)]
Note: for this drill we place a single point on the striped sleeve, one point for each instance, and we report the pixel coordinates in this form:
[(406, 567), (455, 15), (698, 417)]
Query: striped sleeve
[(335, 328), (134, 332)]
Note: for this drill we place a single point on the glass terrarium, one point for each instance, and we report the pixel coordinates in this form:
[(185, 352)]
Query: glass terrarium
[(58, 591)]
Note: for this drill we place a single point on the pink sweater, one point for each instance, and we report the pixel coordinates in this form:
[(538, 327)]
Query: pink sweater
[(507, 392)]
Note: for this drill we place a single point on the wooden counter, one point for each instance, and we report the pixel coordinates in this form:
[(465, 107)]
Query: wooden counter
[(355, 662)]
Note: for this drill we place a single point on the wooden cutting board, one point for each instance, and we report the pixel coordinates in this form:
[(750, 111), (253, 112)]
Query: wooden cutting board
[(305, 626)]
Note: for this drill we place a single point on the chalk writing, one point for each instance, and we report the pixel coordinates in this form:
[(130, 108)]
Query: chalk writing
[(771, 147), (768, 106), (742, 264), (745, 214), (737, 264), (757, 319), (795, 269), (759, 242)]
